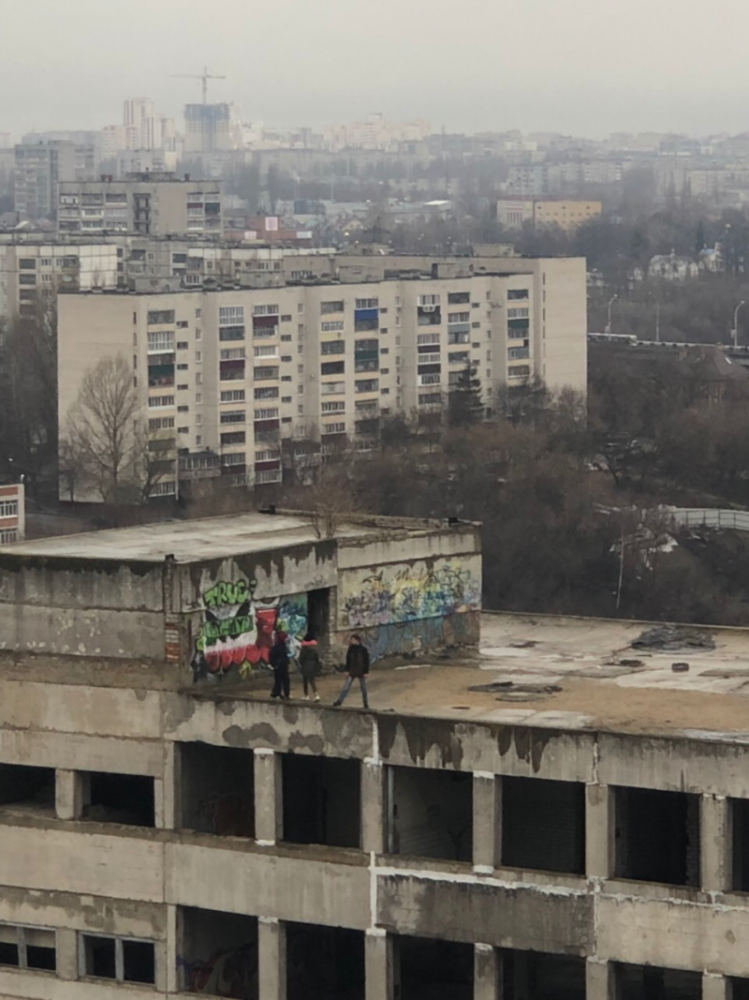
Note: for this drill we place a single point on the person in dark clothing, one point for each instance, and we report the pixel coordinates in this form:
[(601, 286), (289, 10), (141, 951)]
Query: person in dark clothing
[(309, 665), (357, 668), (279, 660)]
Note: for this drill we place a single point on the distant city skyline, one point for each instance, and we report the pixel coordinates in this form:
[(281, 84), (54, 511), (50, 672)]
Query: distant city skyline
[(577, 67)]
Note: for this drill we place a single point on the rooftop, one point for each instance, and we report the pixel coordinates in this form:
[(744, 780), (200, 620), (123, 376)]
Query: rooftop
[(205, 538), (570, 674)]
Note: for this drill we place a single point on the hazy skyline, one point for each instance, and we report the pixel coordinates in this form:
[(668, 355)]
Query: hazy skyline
[(582, 66)]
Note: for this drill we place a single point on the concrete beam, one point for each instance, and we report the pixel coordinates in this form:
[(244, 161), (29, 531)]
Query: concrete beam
[(599, 980), (372, 807), (71, 794), (379, 966), (487, 973), (487, 822), (715, 843), (268, 797), (272, 959), (599, 831)]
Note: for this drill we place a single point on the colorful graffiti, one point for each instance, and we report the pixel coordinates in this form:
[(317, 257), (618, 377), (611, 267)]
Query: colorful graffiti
[(239, 629), (409, 593)]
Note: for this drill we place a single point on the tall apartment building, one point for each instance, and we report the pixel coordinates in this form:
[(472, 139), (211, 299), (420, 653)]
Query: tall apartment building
[(12, 513), (39, 168), (238, 372), (212, 128), (30, 268), (148, 204), (575, 831)]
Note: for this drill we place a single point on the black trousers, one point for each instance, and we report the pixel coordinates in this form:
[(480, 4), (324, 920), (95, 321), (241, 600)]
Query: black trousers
[(281, 682)]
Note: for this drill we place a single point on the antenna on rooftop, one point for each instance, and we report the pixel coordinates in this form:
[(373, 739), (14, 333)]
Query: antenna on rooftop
[(205, 76)]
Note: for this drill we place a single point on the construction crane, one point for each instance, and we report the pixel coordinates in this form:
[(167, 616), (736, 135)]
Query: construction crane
[(205, 76)]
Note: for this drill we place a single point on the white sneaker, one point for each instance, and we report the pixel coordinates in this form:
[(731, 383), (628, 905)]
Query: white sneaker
[(317, 697)]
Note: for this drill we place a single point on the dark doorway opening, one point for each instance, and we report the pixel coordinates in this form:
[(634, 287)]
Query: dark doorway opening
[(324, 963), (321, 801), (531, 975), (32, 786), (434, 970), (220, 953), (657, 836), (431, 813), (543, 825), (318, 615), (650, 982), (218, 790)]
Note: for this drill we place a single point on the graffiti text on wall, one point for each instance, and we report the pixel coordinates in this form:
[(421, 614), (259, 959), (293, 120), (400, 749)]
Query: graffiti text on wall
[(408, 593), (239, 629)]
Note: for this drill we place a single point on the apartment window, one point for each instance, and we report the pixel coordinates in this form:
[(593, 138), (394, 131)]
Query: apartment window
[(517, 313), (267, 413), (458, 298), (265, 310), (518, 353), (333, 388), (198, 357), (427, 300), (124, 960), (232, 395), (459, 317), (286, 318), (367, 303), (8, 508), (157, 316), (231, 333), (229, 315), (458, 338), (286, 338), (232, 354), (8, 535), (332, 368), (182, 324), (458, 357), (265, 351), (265, 373), (337, 428), (427, 338), (198, 397), (430, 398), (333, 347), (182, 345), (337, 406), (23, 947), (182, 368), (161, 423), (233, 417), (232, 437), (27, 264), (265, 392), (183, 430), (518, 371), (367, 385), (331, 307), (183, 409), (517, 293), (268, 476), (237, 458), (333, 326), (286, 399), (161, 341), (155, 402)]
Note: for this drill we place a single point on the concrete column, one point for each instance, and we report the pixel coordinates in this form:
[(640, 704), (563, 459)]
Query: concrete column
[(67, 953), (174, 948), (599, 980), (599, 831), (487, 973), (715, 987), (272, 958), (379, 963), (715, 843), (71, 794), (373, 807), (268, 797), (487, 822), (171, 788)]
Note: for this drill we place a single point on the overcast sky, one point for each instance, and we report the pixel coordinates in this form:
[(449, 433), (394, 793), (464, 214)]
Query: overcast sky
[(582, 66)]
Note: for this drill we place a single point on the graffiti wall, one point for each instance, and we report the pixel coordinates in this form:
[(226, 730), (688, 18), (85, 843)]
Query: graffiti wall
[(238, 629), (400, 593)]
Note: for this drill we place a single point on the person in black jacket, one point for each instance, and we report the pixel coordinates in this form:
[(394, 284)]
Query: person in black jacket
[(279, 660), (309, 665), (357, 667)]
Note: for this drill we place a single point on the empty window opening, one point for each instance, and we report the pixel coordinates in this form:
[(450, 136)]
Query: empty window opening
[(218, 794), (657, 836), (321, 801), (740, 852), (220, 953), (324, 963), (739, 989), (529, 975), (434, 970), (126, 960), (649, 982), (28, 947), (33, 787), (119, 798), (431, 813), (543, 825)]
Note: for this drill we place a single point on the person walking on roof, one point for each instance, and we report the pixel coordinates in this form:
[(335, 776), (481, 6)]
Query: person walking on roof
[(357, 668), (279, 660), (309, 665)]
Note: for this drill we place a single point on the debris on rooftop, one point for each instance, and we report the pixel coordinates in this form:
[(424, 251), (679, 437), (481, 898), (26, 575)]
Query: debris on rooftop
[(672, 638)]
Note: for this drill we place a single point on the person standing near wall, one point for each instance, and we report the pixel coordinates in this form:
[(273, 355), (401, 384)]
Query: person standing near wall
[(309, 665), (279, 660), (357, 668)]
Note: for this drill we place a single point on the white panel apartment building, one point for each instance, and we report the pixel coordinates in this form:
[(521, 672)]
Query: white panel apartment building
[(236, 371), (29, 269)]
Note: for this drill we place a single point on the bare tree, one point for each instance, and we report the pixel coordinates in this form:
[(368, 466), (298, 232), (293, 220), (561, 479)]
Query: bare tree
[(103, 427)]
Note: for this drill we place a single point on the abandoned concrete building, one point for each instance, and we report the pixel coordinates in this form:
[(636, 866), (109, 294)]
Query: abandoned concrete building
[(551, 816)]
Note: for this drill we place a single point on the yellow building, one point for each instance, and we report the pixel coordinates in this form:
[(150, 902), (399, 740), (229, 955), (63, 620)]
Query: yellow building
[(567, 213)]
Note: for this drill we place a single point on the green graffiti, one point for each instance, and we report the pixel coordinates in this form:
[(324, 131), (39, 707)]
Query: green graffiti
[(229, 593)]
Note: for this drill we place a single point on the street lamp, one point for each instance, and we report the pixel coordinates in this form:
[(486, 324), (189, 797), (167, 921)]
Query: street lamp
[(612, 300), (735, 330)]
